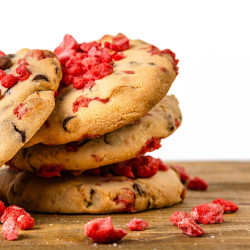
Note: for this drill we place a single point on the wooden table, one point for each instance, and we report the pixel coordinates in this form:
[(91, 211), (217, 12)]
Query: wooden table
[(229, 180)]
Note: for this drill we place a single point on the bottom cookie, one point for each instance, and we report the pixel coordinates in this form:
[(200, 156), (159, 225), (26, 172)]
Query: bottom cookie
[(90, 194)]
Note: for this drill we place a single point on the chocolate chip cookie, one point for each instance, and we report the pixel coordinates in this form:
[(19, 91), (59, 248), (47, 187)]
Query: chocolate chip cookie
[(90, 194), (106, 85), (128, 142), (28, 80)]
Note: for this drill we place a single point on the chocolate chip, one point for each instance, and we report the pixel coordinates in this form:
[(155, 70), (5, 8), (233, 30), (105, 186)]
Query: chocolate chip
[(87, 203), (5, 62), (105, 139), (138, 188), (22, 133), (83, 142), (92, 192), (11, 55), (8, 91), (151, 63), (66, 120), (133, 62), (40, 77), (148, 205), (57, 69), (171, 128)]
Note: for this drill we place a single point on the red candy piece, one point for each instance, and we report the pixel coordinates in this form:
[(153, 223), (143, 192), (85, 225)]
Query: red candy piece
[(13, 212), (101, 70), (189, 227), (67, 80), (87, 46), (150, 145), (197, 184), (71, 147), (137, 225), (118, 56), (207, 213), (23, 72), (25, 222), (2, 74), (102, 231), (127, 198), (145, 167), (51, 170), (228, 206), (65, 56), (82, 82), (182, 172), (82, 101), (177, 217), (177, 123), (162, 166), (87, 62), (142, 167), (1, 53), (2, 208), (123, 170), (69, 43), (9, 81), (21, 110), (155, 51), (119, 43), (9, 230), (129, 72), (90, 62)]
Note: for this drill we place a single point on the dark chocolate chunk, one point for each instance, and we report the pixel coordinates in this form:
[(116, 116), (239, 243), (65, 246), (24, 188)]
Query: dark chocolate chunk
[(171, 128), (57, 69), (151, 63), (83, 142), (133, 62), (105, 139), (87, 203), (11, 55), (138, 188), (5, 62), (22, 133), (8, 91), (148, 205), (40, 77), (66, 120), (92, 192)]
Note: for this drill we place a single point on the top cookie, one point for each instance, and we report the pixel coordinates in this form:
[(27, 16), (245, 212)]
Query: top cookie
[(28, 80), (104, 89)]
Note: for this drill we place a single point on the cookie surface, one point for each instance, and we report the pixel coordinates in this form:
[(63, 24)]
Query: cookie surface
[(138, 82), (27, 89), (90, 194), (120, 145)]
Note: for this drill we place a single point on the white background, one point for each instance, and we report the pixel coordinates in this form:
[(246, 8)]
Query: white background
[(211, 39)]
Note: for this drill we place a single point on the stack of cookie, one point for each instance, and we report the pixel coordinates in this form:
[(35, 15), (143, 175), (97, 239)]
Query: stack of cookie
[(110, 109)]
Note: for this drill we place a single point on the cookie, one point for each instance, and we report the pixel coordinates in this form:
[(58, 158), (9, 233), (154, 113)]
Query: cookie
[(103, 89), (90, 194), (125, 143), (28, 80)]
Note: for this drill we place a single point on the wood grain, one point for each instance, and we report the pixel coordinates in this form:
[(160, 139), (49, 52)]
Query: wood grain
[(229, 180)]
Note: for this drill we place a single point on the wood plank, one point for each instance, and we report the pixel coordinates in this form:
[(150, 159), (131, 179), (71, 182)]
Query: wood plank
[(229, 180)]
